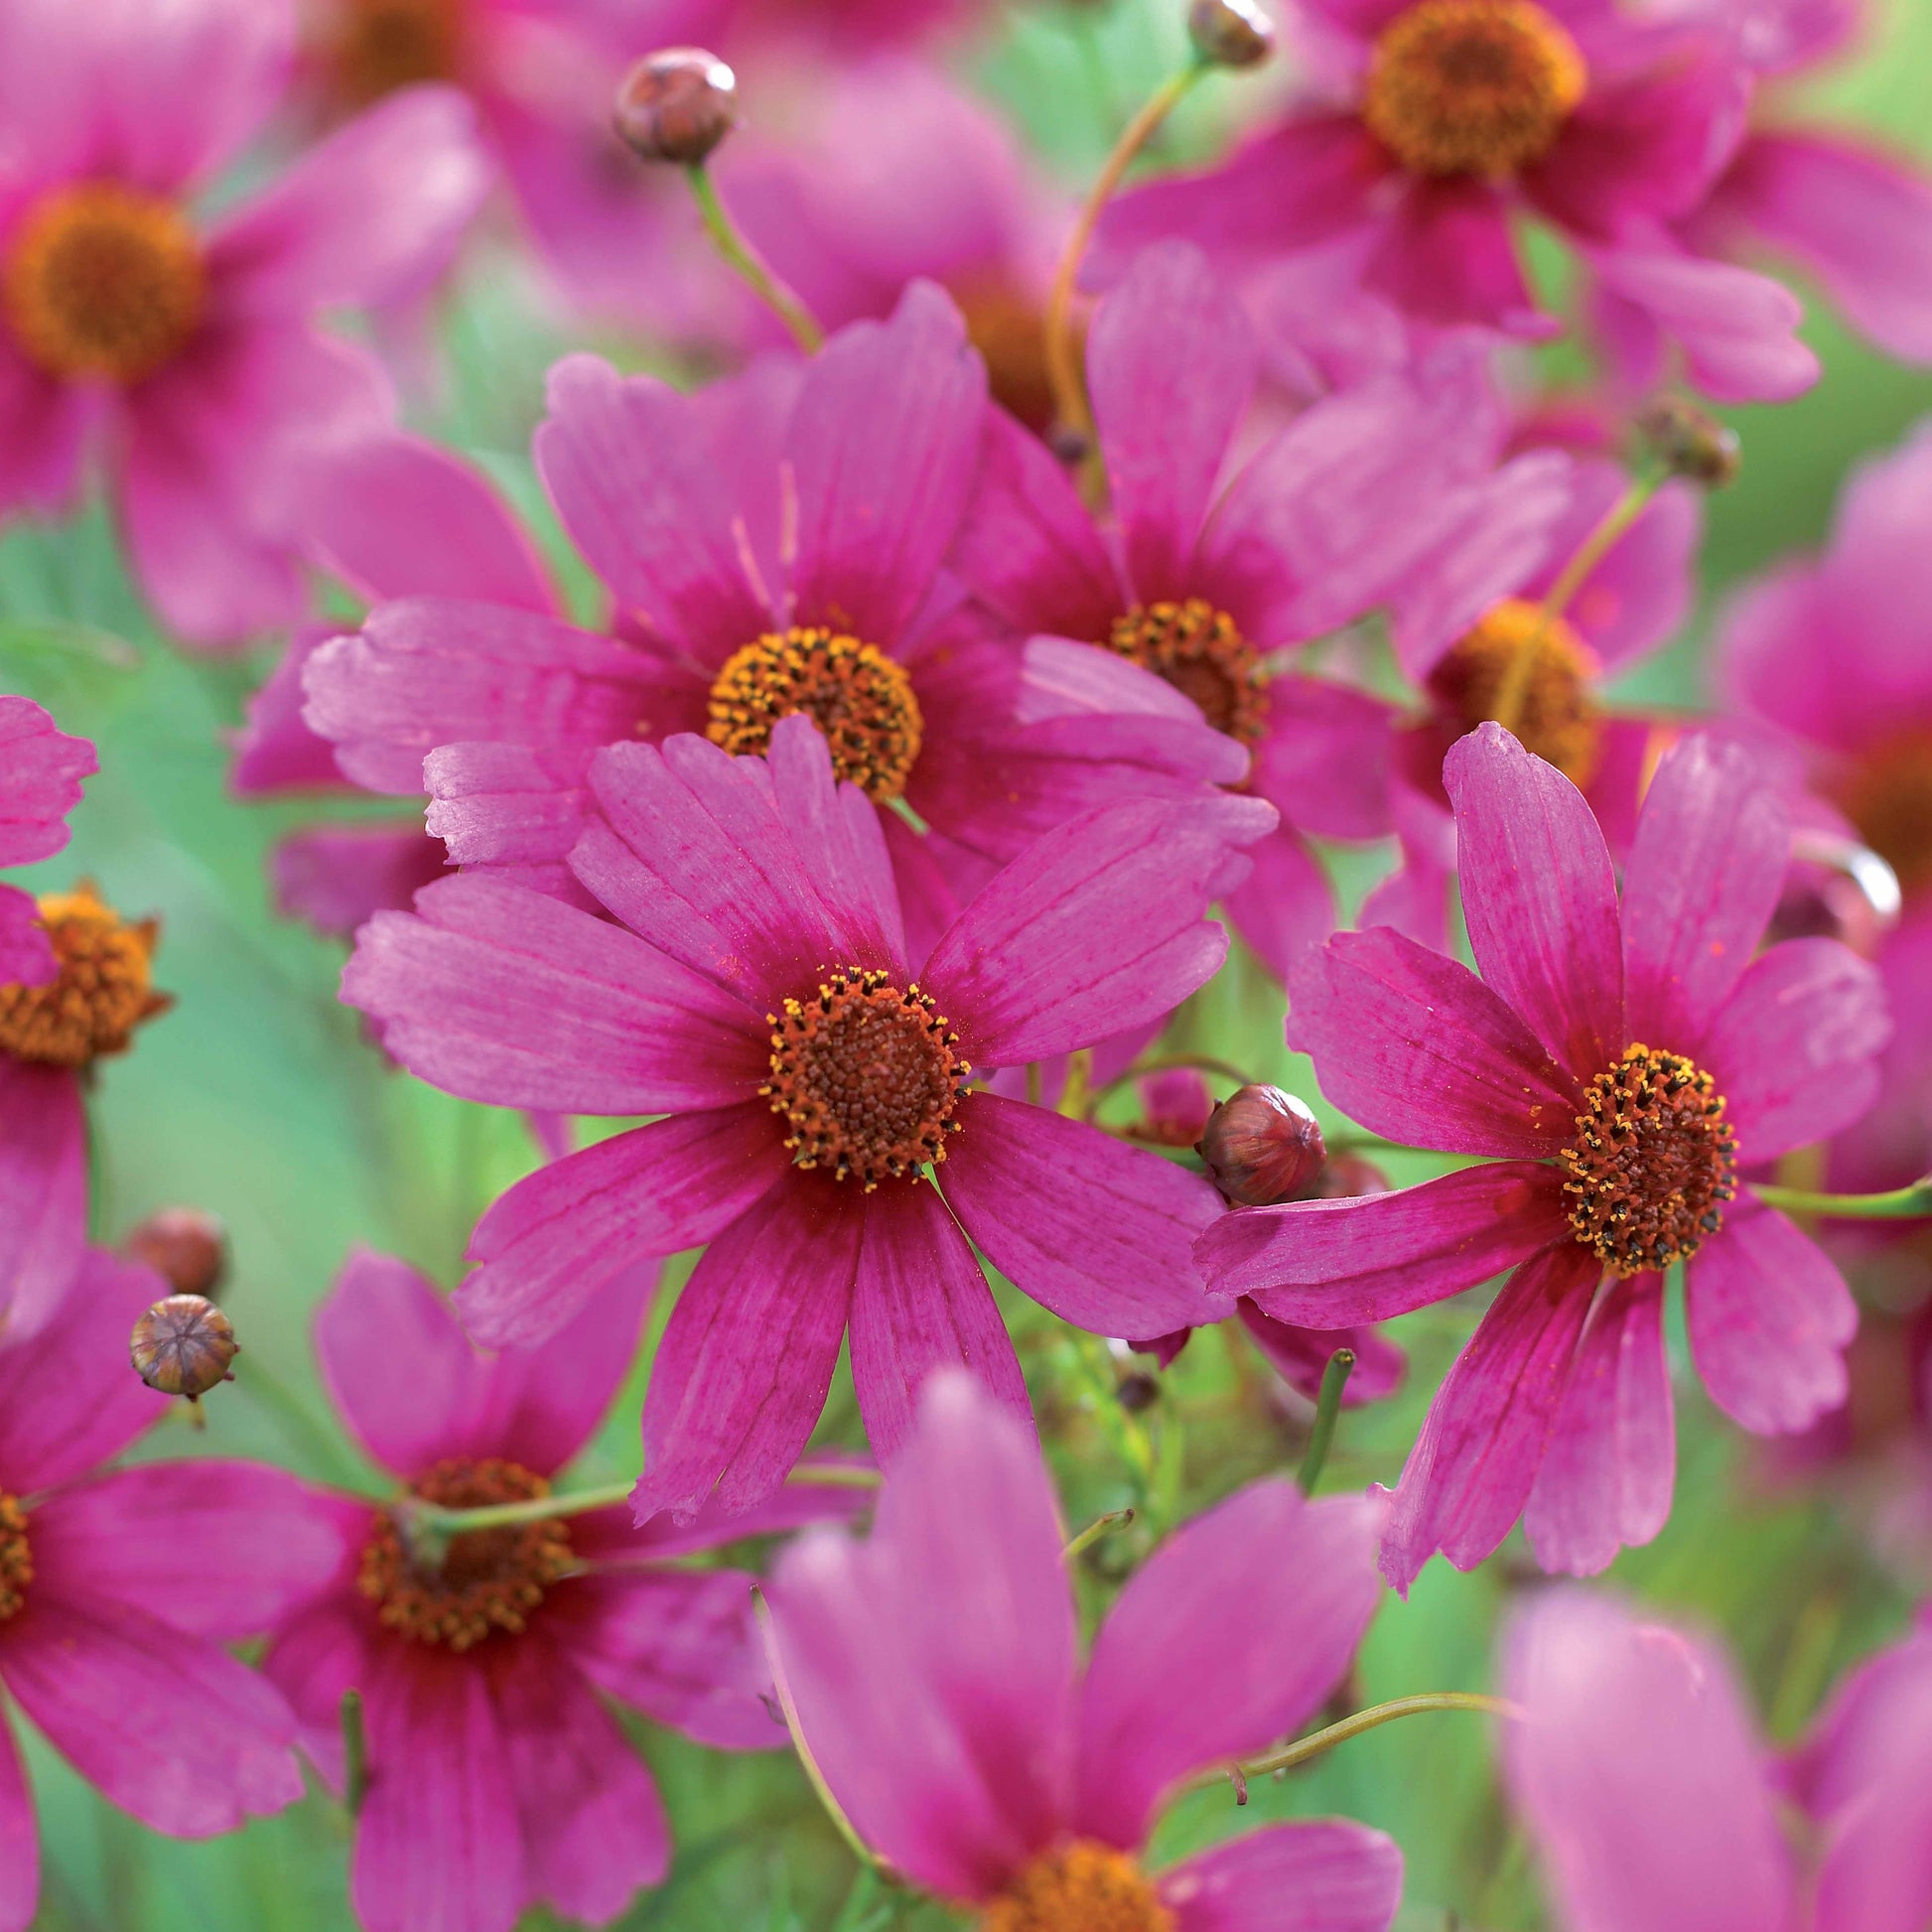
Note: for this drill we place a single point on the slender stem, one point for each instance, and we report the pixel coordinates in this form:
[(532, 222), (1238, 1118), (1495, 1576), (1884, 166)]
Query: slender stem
[(1062, 357), (749, 264), (356, 1753), (1165, 1063), (1115, 1519), (1902, 1204), (1327, 1739), (1327, 1410)]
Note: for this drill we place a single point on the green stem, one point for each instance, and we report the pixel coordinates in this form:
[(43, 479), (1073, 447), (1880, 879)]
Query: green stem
[(1166, 1063), (1327, 1410), (1304, 1748), (749, 264), (1902, 1204), (1115, 1519), (356, 1753)]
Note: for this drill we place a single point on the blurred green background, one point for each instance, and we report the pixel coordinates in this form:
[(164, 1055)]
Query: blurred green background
[(258, 1100)]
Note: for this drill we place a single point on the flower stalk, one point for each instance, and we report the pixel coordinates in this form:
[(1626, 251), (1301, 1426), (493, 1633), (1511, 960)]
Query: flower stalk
[(1115, 1519), (1328, 1412), (748, 264), (1326, 1739), (1902, 1204), (356, 1753)]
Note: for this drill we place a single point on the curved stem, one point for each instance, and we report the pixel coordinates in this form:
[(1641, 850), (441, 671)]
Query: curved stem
[(755, 271), (1902, 1204), (1327, 1739), (356, 1753), (1328, 1412), (1115, 1519), (1165, 1063)]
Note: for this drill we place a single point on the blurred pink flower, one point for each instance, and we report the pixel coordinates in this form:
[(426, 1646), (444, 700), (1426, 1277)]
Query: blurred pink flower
[(118, 1589), (40, 769), (185, 349), (979, 1757), (760, 993), (1429, 126), (1621, 1066)]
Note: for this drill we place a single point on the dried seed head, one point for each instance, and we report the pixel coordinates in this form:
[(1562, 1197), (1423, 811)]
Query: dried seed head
[(188, 1248), (1689, 443), (676, 105), (1230, 33), (1262, 1146), (182, 1346)]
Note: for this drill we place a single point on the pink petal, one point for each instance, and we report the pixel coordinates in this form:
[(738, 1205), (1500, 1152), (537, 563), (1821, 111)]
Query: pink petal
[(319, 1654), (1483, 1440), (512, 810), (1770, 1318), (948, 1742), (44, 426), (1445, 257), (741, 1373), (1285, 905), (1416, 1047), (1097, 1231), (275, 750), (26, 957), (40, 769), (337, 877), (1539, 897), (1171, 367), (920, 1304), (1333, 1264), (20, 1839), (1324, 761), (554, 1237), (1700, 888), (1258, 1608), (1300, 1356), (1326, 1876), (43, 1192), (1607, 1476)]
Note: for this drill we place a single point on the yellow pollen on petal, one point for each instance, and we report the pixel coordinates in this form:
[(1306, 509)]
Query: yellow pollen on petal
[(16, 1559), (100, 993), (1887, 796), (859, 698), (1201, 652), (1079, 1888), (376, 46), (1472, 87), (103, 283), (1653, 1163), (1558, 716), (489, 1581), (865, 1073)]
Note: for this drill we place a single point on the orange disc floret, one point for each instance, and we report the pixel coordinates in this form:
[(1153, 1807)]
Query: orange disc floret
[(1079, 1888), (101, 992)]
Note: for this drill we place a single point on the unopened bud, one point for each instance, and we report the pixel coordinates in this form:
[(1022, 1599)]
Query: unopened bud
[(183, 1346), (676, 104), (1262, 1146), (1688, 442), (1230, 33), (1347, 1175), (1175, 1108), (187, 1248)]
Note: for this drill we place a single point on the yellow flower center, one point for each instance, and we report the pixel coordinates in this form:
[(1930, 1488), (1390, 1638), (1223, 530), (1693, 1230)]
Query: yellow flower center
[(1543, 670), (1201, 652), (103, 283), (1081, 1887), (866, 1075), (1472, 87), (100, 995), (16, 1559), (859, 698), (1889, 797), (380, 45)]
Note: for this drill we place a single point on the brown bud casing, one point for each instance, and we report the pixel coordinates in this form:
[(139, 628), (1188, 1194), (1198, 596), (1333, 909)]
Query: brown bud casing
[(1230, 33), (1689, 443), (1262, 1146), (676, 105), (187, 1248), (182, 1346)]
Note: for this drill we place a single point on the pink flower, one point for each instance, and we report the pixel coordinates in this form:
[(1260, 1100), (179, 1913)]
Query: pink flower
[(1622, 1067), (1430, 126), (40, 769), (497, 1775), (185, 348), (775, 545), (981, 1759), (118, 1589), (759, 992)]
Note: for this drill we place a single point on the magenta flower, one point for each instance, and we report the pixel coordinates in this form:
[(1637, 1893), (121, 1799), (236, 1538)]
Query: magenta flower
[(773, 546), (40, 769), (1430, 126), (980, 1757), (118, 1587), (497, 1775), (185, 348), (1622, 1066), (759, 992)]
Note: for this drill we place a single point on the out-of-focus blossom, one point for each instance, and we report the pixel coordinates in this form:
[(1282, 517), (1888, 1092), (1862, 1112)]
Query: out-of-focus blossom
[(40, 769), (1624, 1065), (757, 990), (181, 347), (1429, 126), (984, 1760)]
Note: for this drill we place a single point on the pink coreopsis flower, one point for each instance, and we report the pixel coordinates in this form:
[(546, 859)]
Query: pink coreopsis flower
[(183, 346), (1623, 1066), (118, 1589), (772, 545), (757, 990), (40, 769), (1430, 126), (497, 1775), (979, 1755)]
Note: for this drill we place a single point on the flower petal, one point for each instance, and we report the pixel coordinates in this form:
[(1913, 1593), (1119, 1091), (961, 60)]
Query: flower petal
[(40, 769), (1446, 258), (20, 1837), (1324, 1876), (337, 877), (43, 1192), (314, 1658), (1285, 905), (1300, 1356)]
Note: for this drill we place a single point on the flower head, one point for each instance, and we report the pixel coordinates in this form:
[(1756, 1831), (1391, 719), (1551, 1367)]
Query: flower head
[(40, 769)]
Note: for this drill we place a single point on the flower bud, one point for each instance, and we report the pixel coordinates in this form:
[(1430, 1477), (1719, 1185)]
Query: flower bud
[(1230, 33), (1175, 1108), (1262, 1146), (187, 1248), (676, 105), (182, 1346), (1345, 1177), (1688, 442)]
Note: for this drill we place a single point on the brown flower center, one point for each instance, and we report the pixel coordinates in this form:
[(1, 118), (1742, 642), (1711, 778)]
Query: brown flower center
[(100, 994), (1653, 1163), (103, 282), (867, 1075), (1889, 797), (1472, 87), (16, 1559), (1199, 651), (489, 1581), (1004, 324), (1081, 1887), (1543, 670), (380, 45), (861, 700)]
